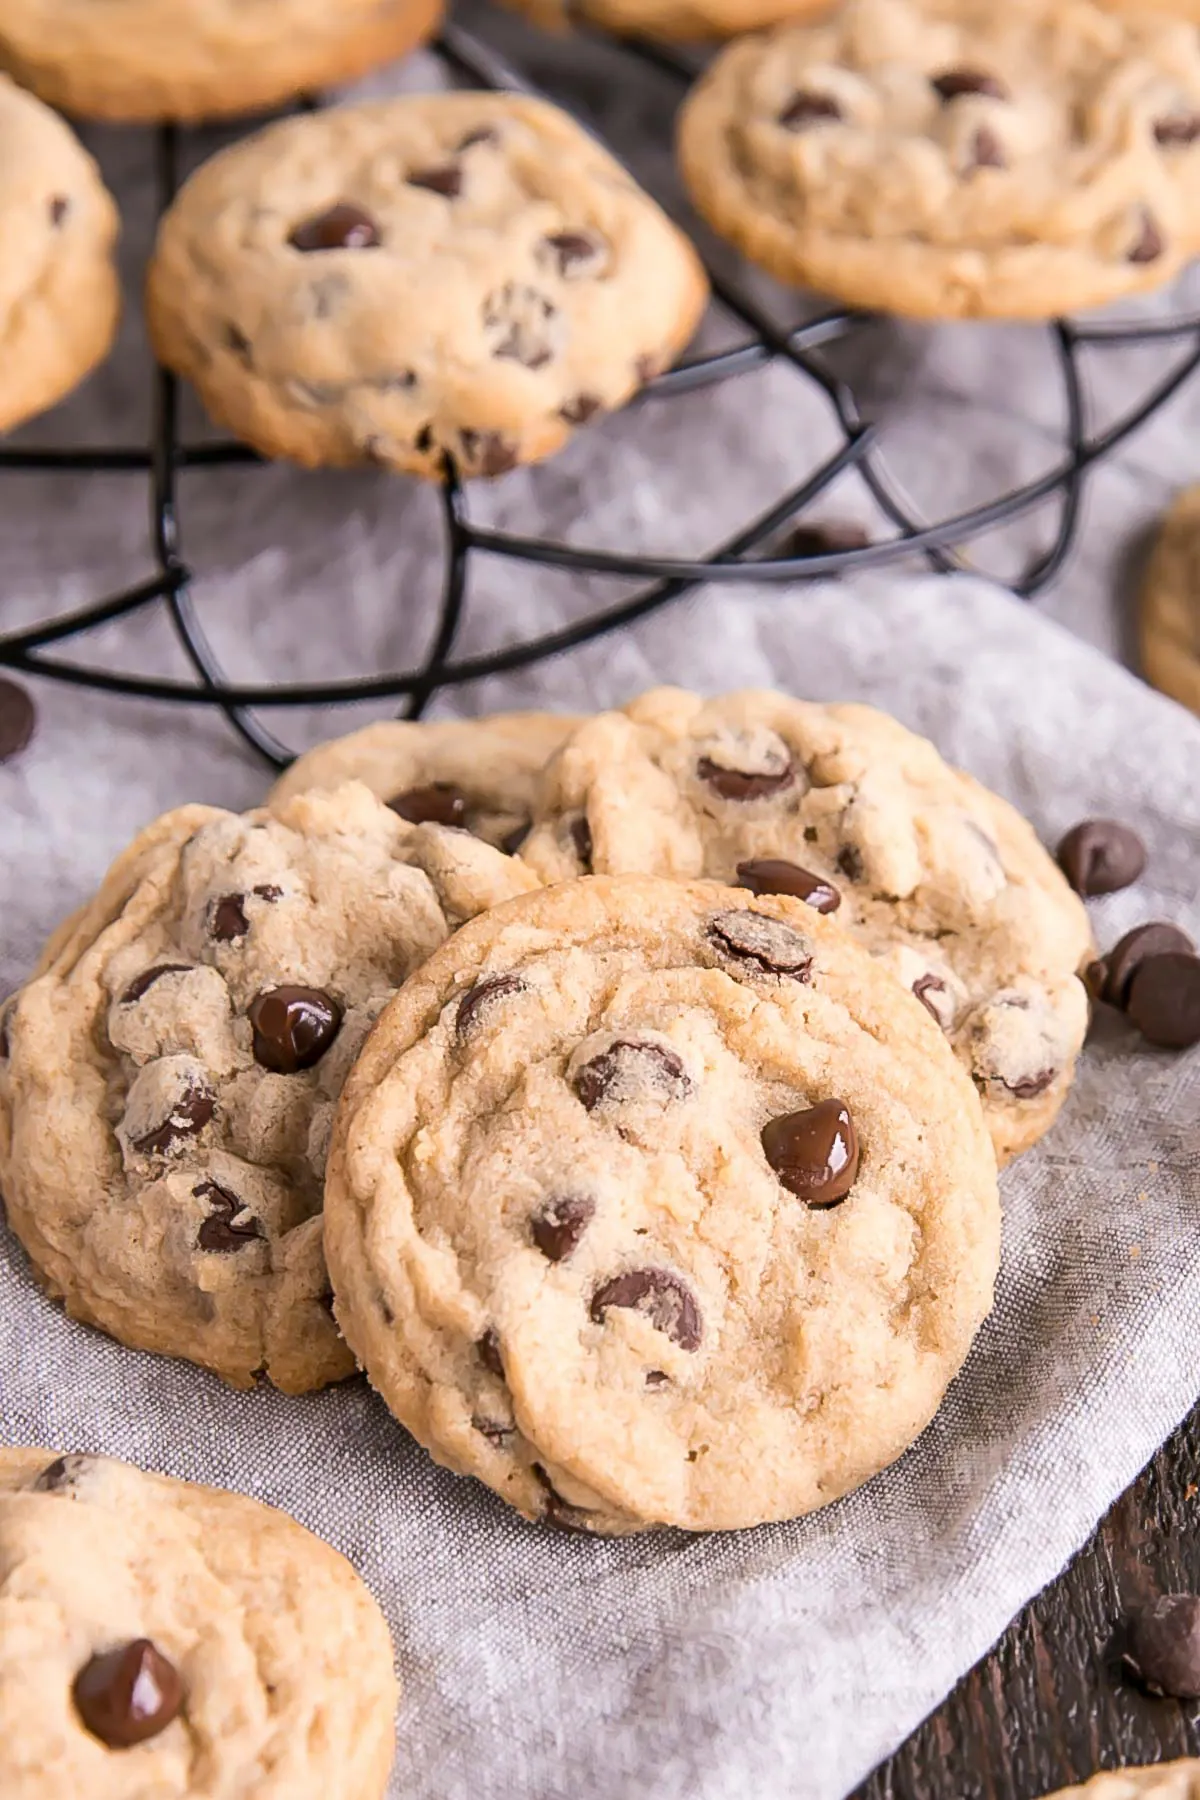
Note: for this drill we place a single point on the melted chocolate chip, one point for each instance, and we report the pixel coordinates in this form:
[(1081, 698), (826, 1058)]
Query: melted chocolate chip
[(661, 1295), (808, 109), (772, 875), (1164, 1000), (441, 803), (61, 1476), (580, 834), (559, 1227), (579, 410), (219, 1233), (343, 227), (18, 719), (953, 84), (423, 442), (482, 996), (1148, 242), (984, 152), (850, 862), (488, 1352), (814, 1152), (765, 943), (128, 1695), (1123, 960), (227, 918), (744, 784), (5, 1039), (60, 206), (446, 180), (657, 1378), (1100, 856), (559, 1512), (493, 1429), (631, 1069), (189, 1114), (928, 988), (141, 984), (267, 891), (293, 1027), (489, 451), (574, 254), (1162, 1646), (1030, 1086), (1177, 128), (516, 837)]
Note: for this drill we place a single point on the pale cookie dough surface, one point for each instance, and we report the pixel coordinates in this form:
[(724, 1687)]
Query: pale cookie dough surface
[(59, 296), (955, 158), (486, 769), (559, 1248), (675, 21), (1151, 1781), (1169, 604), (162, 1140), (284, 1659), (497, 281), (942, 880), (195, 59)]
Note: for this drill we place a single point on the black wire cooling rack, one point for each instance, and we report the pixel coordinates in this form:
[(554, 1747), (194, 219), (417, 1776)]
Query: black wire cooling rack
[(472, 61)]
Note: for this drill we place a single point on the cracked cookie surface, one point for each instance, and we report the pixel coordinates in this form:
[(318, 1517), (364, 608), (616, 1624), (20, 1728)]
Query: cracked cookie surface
[(168, 1080), (952, 158), (653, 1203), (161, 1638), (844, 807), (462, 276)]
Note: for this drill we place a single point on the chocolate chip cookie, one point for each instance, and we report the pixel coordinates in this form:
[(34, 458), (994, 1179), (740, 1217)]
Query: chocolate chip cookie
[(953, 158), (656, 1203), (462, 277), (197, 59), (478, 774), (162, 1638), (167, 1083), (845, 809), (1169, 604), (674, 21), (59, 296)]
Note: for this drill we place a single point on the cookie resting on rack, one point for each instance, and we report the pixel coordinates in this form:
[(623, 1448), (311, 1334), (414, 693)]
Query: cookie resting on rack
[(478, 774), (448, 276), (841, 806), (955, 158), (168, 1079), (200, 59), (1169, 604), (654, 1203), (59, 294), (160, 1638), (670, 21)]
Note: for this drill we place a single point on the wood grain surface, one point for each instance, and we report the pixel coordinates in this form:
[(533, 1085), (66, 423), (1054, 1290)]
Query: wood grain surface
[(1050, 1704)]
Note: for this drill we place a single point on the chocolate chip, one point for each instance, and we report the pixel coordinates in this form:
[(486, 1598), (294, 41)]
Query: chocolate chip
[(632, 1069), (441, 803), (141, 984), (128, 1695), (446, 180), (745, 784), (664, 1297), (519, 325), (1162, 1646), (557, 1511), (823, 540), (657, 1378), (1100, 856), (18, 719), (227, 918), (1154, 939), (1148, 243), (1177, 128), (814, 1152), (60, 206), (985, 151), (293, 1027), (482, 996), (190, 1112), (219, 1233), (1030, 1086), (574, 253), (5, 1037), (61, 1476), (850, 862), (580, 834), (806, 108), (927, 988), (516, 837), (488, 1352), (772, 875), (559, 1227), (482, 134), (953, 84), (492, 1429), (343, 227), (489, 451), (267, 891), (1164, 1000), (770, 945), (579, 410), (423, 442)]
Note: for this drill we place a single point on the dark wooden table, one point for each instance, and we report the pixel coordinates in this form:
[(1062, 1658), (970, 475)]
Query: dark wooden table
[(1049, 1705)]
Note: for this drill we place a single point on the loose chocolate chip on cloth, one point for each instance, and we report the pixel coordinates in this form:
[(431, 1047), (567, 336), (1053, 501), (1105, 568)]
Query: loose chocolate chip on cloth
[(1162, 1646)]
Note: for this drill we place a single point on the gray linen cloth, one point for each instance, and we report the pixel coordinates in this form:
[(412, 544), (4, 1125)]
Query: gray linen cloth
[(779, 1662)]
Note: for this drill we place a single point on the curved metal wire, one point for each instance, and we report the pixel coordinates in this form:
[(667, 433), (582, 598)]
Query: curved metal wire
[(741, 557)]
